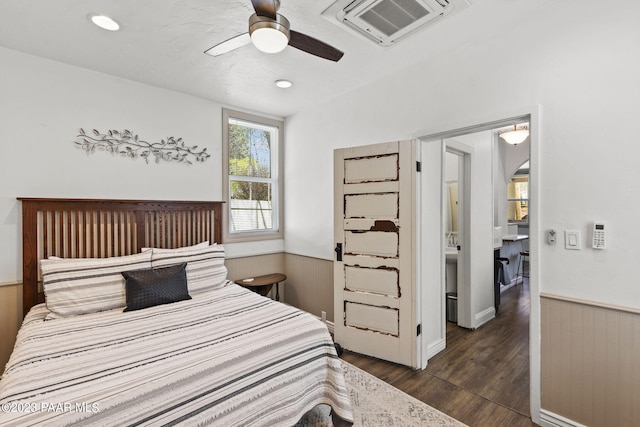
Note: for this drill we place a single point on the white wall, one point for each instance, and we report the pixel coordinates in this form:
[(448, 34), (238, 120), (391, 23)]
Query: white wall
[(480, 242), (44, 103), (574, 60), (451, 167)]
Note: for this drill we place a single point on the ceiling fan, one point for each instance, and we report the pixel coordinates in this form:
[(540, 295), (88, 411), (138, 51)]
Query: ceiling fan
[(270, 32)]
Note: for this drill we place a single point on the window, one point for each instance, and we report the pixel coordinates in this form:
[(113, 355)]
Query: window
[(252, 175), (518, 199)]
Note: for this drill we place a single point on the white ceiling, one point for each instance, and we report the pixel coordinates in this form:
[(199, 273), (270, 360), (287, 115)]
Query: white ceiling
[(161, 43)]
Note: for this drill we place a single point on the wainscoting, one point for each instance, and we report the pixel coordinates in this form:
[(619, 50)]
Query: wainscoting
[(242, 268), (10, 319), (590, 362), (309, 284)]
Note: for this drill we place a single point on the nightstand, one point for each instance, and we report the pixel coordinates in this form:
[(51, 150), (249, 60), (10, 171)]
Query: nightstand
[(263, 284)]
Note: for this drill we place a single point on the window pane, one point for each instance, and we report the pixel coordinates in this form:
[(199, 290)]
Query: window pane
[(522, 190), (252, 176), (250, 149), (518, 210), (251, 206), (517, 199)]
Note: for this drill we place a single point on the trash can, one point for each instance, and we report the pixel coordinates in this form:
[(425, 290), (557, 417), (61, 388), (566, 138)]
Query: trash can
[(452, 307)]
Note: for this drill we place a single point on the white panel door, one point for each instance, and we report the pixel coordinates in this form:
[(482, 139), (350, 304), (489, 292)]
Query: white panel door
[(374, 268)]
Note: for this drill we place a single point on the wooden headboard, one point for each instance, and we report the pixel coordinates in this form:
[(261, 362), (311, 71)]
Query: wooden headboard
[(93, 228)]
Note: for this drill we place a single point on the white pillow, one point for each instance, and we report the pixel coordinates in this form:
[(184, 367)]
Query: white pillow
[(74, 286), (204, 244), (205, 266), (200, 245)]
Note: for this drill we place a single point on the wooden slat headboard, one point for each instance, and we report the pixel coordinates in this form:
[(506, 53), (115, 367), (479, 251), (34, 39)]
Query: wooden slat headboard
[(97, 228)]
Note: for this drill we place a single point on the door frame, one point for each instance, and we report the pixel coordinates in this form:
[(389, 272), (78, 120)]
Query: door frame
[(464, 125)]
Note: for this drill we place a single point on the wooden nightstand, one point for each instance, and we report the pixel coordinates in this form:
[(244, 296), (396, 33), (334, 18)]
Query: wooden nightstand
[(263, 284)]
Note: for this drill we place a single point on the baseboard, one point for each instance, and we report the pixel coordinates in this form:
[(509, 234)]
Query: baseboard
[(330, 325), (549, 419), (484, 316), (509, 286), (435, 348)]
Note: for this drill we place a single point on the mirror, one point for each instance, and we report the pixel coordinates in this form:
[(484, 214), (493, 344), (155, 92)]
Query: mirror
[(451, 196)]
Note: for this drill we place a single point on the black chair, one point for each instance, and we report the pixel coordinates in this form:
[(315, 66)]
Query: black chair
[(498, 277), (524, 257)]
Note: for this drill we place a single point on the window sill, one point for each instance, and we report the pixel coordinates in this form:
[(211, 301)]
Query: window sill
[(252, 237)]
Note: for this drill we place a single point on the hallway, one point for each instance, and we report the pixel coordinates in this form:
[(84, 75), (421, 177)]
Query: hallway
[(482, 377)]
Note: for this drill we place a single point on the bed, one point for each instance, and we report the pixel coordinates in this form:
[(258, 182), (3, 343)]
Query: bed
[(141, 327)]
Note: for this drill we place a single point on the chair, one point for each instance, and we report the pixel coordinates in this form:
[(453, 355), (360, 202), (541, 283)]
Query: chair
[(520, 270), (499, 277)]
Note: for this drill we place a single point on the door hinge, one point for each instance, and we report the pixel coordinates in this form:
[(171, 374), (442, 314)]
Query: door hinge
[(419, 330), (418, 166)]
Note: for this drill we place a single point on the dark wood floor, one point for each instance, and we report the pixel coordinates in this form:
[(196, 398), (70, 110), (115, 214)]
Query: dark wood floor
[(482, 377)]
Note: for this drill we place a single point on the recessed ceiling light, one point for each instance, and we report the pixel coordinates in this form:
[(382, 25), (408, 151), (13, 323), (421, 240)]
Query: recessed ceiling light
[(105, 22), (284, 84)]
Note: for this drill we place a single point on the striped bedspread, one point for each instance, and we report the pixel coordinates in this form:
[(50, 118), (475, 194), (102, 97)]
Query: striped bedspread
[(228, 357)]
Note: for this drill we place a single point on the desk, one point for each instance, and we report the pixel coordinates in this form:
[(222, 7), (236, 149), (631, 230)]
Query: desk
[(263, 284)]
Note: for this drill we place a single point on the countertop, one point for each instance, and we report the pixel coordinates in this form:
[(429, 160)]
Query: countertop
[(515, 238)]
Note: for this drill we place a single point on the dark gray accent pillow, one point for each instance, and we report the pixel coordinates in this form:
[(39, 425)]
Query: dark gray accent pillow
[(155, 286)]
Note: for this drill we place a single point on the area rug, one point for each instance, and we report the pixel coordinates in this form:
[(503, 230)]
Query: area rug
[(378, 404)]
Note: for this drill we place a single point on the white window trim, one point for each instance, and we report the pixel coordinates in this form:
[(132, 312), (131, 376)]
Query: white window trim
[(278, 200)]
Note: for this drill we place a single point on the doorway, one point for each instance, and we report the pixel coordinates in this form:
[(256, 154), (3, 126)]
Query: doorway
[(452, 211), (456, 217), (485, 233)]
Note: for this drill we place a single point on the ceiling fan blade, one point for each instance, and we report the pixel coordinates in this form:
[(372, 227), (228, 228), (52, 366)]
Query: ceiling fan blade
[(265, 8), (229, 45), (314, 46)]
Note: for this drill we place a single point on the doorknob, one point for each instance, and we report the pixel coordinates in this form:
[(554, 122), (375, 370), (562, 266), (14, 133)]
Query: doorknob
[(338, 251)]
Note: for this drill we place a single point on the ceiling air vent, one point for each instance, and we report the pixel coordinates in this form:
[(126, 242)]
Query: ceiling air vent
[(387, 21)]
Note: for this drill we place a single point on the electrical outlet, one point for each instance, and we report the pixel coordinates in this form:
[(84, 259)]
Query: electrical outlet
[(323, 314)]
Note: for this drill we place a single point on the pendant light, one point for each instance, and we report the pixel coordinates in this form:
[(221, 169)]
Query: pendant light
[(517, 135)]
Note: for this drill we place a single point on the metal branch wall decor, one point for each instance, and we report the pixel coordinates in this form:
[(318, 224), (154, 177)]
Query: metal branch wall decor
[(128, 144)]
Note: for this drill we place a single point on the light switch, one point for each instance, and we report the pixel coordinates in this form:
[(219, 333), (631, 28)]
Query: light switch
[(572, 239)]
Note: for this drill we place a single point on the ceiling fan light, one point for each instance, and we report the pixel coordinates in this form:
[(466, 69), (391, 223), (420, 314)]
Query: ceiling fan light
[(269, 35), (515, 136), (269, 40)]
